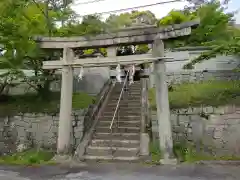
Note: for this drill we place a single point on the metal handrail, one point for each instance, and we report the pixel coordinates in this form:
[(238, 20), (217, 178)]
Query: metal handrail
[(119, 99)]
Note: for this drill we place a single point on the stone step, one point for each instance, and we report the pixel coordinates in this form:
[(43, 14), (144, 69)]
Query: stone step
[(118, 130), (121, 111), (125, 98), (134, 86), (125, 101), (130, 113), (125, 104), (112, 151), (120, 123), (117, 136), (111, 158), (122, 117), (115, 143), (123, 108), (126, 93)]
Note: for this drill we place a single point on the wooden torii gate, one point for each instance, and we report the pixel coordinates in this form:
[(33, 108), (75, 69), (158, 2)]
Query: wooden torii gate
[(129, 36)]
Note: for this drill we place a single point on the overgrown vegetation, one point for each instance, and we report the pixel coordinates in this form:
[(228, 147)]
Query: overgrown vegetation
[(32, 103), (30, 157), (212, 93), (155, 152), (186, 152)]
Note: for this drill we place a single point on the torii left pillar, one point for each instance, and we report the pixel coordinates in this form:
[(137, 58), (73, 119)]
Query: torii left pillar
[(65, 119)]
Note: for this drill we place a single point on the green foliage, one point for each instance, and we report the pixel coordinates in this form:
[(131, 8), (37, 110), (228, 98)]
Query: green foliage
[(82, 100), (175, 17), (215, 31), (155, 152), (186, 152), (32, 103), (30, 157), (230, 47), (127, 19), (211, 29), (212, 93), (90, 25)]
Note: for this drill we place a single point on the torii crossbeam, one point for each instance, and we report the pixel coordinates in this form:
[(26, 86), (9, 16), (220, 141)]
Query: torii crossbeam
[(140, 35)]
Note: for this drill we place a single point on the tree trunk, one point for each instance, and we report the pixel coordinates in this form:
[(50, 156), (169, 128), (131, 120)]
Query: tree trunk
[(44, 91)]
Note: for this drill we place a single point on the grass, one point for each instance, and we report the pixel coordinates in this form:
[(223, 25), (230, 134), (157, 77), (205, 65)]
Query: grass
[(154, 152), (30, 157), (211, 93), (31, 103), (185, 153), (188, 153)]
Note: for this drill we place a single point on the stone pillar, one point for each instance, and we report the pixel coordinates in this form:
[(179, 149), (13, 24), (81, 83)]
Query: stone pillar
[(111, 52), (65, 119), (163, 111), (144, 137)]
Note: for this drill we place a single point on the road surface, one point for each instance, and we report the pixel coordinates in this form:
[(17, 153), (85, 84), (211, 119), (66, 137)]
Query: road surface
[(121, 172)]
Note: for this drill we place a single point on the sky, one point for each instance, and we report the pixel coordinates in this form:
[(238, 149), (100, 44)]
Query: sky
[(159, 10)]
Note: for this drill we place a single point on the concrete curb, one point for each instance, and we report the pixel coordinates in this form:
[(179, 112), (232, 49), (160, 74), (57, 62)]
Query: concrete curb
[(220, 162)]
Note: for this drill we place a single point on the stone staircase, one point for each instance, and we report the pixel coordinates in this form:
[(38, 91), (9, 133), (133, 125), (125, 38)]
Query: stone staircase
[(123, 144)]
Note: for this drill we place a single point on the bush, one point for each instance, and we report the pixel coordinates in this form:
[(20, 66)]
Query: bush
[(29, 157), (155, 152), (211, 93), (32, 103)]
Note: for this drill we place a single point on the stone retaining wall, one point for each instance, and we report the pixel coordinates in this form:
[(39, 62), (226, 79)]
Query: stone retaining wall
[(36, 131), (216, 129), (197, 76)]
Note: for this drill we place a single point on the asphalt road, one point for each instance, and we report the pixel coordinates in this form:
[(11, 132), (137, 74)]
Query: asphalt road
[(121, 172)]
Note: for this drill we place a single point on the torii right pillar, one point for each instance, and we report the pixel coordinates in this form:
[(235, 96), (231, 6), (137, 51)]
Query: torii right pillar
[(162, 102)]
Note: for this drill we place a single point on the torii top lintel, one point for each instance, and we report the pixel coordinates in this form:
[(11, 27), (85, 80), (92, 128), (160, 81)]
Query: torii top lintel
[(137, 35)]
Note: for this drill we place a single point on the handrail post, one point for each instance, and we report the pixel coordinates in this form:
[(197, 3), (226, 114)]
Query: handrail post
[(119, 99), (118, 118), (116, 112)]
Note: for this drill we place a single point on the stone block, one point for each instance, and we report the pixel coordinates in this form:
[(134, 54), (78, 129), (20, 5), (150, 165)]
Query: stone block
[(198, 128), (74, 123), (197, 110), (195, 118), (174, 119), (232, 122), (189, 130), (229, 109), (54, 129), (215, 119), (55, 118), (183, 111), (230, 116), (218, 132), (179, 129), (154, 128), (208, 110), (80, 123), (184, 119), (219, 110)]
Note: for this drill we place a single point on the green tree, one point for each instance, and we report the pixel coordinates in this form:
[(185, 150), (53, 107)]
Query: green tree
[(216, 32), (20, 20), (211, 29), (176, 17)]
